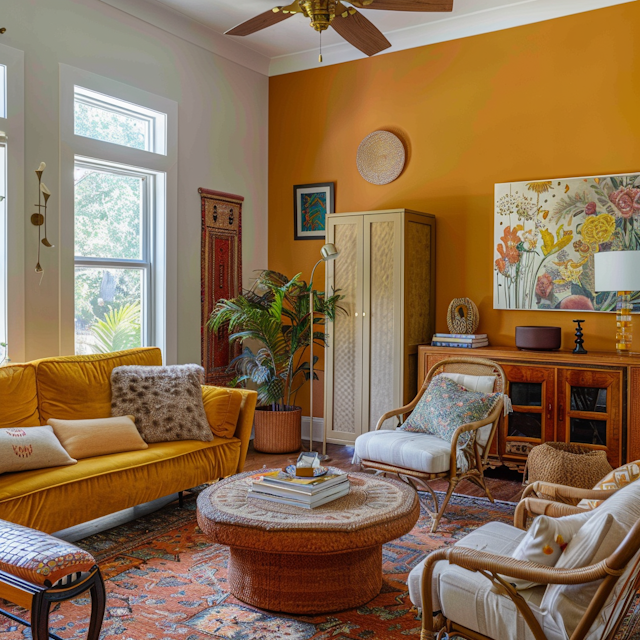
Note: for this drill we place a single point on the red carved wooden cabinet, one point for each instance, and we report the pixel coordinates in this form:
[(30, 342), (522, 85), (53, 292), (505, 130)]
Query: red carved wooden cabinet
[(221, 276), (592, 400)]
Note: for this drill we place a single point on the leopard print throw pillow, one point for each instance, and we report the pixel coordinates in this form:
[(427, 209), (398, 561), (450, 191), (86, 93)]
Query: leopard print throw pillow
[(166, 401)]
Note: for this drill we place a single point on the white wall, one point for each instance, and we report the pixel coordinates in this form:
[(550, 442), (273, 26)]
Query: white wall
[(222, 132)]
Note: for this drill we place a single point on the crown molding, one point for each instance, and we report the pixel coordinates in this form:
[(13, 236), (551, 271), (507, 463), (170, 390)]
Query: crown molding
[(452, 27), (192, 31)]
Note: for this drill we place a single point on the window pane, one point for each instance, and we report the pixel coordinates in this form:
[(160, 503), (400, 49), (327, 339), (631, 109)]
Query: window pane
[(3, 91), (525, 425), (588, 431), (108, 214), (526, 394), (108, 309), (588, 399), (3, 251), (101, 123)]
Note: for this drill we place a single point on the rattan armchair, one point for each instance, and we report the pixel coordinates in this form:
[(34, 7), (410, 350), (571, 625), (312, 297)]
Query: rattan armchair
[(608, 605), (554, 500), (481, 441)]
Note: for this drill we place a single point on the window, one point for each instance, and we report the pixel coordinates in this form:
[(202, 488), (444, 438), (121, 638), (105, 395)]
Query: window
[(117, 208), (118, 216), (102, 117), (3, 247), (113, 264)]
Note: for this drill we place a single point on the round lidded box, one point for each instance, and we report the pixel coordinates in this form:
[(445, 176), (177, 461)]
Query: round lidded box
[(538, 338)]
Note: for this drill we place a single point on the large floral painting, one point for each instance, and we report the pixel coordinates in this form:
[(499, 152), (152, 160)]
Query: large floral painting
[(547, 232)]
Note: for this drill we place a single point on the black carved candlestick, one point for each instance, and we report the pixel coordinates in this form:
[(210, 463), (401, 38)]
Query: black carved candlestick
[(579, 341)]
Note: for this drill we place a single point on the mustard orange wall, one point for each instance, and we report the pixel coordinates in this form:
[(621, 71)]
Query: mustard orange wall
[(555, 99)]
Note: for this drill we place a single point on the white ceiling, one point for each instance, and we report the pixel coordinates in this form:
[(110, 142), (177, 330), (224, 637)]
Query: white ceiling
[(292, 45)]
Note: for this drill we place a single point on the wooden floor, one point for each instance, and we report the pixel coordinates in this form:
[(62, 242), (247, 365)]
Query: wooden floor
[(503, 483)]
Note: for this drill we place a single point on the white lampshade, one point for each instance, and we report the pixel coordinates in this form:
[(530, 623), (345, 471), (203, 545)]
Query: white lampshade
[(617, 271)]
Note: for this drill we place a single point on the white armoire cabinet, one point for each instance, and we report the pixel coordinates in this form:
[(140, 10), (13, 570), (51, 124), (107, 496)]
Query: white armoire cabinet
[(386, 273)]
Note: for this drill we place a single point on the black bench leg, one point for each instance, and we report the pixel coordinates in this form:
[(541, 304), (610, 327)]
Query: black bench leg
[(181, 499), (40, 617), (98, 604)]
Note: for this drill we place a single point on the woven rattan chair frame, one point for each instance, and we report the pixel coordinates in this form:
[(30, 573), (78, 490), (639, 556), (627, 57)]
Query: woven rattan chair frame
[(469, 366), (493, 567)]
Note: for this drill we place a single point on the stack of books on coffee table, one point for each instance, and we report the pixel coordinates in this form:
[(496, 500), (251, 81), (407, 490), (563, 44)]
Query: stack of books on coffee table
[(460, 340), (308, 493)]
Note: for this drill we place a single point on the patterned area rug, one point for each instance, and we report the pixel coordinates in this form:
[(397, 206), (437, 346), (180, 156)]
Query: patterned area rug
[(166, 581)]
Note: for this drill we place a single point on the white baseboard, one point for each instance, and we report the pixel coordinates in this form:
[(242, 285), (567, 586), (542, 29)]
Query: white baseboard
[(318, 428)]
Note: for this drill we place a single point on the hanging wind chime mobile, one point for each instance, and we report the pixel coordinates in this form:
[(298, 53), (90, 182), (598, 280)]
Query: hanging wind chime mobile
[(39, 219)]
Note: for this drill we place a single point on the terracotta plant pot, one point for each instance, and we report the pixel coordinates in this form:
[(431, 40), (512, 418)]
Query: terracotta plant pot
[(277, 431)]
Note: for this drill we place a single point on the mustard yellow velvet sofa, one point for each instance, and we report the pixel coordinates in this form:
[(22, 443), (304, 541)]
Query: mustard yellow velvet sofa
[(79, 387)]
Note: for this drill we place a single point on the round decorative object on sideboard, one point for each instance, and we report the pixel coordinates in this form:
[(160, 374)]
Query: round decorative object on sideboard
[(381, 157), (463, 316), (538, 338)]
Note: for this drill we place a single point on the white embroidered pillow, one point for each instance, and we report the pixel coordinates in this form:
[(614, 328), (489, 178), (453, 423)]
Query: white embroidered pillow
[(545, 542)]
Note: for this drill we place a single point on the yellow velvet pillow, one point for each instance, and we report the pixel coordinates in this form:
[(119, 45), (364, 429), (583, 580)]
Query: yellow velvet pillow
[(99, 437), (79, 387), (222, 407), (18, 396)]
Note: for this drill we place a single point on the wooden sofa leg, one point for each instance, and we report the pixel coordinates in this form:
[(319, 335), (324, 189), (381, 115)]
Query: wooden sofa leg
[(180, 499)]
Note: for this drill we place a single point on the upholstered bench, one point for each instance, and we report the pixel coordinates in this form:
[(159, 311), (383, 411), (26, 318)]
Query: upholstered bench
[(37, 570)]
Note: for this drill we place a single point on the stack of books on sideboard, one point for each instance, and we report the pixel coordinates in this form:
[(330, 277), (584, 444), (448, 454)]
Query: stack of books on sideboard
[(460, 340), (308, 493)]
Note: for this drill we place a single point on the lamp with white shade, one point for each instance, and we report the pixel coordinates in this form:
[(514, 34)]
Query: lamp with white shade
[(619, 271), (327, 253)]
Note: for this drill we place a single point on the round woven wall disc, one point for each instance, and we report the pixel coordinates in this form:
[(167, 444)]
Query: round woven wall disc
[(381, 157)]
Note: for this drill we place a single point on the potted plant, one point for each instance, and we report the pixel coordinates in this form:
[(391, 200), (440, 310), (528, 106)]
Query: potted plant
[(275, 314)]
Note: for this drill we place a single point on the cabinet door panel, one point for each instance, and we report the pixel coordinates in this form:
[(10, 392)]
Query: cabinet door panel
[(343, 416), (382, 317), (531, 390), (589, 410)]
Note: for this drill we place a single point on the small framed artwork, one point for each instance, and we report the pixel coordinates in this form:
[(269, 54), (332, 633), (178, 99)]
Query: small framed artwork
[(311, 204)]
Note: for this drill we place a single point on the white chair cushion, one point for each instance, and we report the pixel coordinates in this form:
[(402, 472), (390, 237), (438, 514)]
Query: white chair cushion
[(467, 597), (416, 451)]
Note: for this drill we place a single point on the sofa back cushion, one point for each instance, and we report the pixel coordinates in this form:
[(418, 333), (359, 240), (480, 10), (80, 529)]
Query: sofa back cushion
[(18, 396), (79, 387)]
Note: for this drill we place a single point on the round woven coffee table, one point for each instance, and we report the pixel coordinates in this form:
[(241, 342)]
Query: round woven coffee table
[(285, 558)]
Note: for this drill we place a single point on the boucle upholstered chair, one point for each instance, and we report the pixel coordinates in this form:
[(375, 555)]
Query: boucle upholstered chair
[(422, 457), (467, 587)]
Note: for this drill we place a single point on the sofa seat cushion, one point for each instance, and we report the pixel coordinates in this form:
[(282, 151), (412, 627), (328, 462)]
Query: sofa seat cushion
[(53, 500), (18, 396), (468, 599), (79, 387), (13, 485), (417, 451)]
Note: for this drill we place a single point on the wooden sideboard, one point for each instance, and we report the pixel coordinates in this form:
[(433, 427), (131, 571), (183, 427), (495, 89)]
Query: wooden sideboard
[(592, 400)]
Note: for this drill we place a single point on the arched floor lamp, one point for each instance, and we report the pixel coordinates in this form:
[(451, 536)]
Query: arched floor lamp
[(327, 253)]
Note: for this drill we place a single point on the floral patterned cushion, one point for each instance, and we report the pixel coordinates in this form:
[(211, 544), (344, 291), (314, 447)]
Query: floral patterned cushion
[(445, 406)]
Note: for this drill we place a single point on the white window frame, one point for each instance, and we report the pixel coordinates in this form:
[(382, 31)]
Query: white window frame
[(148, 260), (14, 227), (156, 122), (163, 327)]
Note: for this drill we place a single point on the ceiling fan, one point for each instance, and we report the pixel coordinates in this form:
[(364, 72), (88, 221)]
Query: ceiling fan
[(343, 16)]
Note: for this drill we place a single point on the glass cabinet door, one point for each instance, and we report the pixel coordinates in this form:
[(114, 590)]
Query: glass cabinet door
[(589, 410), (531, 423)]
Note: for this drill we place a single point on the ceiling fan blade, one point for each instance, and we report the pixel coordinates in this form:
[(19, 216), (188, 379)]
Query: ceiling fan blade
[(264, 20), (405, 5), (360, 32)]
